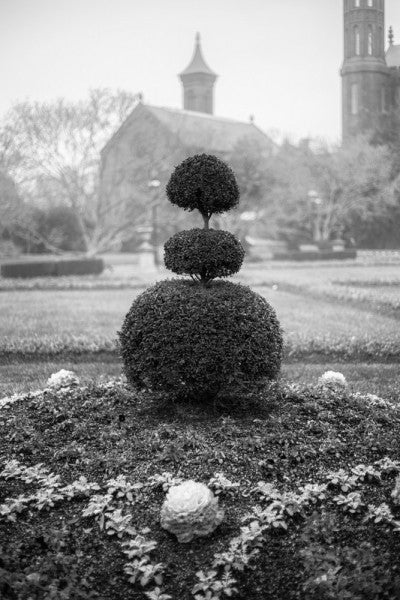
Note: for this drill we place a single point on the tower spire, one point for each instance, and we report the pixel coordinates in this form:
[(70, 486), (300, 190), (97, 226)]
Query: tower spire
[(198, 82), (197, 64)]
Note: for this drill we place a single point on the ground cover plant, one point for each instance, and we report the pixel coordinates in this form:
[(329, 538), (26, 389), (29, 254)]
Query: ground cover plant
[(307, 477)]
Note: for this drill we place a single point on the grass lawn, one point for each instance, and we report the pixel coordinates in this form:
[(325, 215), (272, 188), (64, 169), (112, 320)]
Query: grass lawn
[(26, 376), (370, 286), (49, 322), (305, 477)]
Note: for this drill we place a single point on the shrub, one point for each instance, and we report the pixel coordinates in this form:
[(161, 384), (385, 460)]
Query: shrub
[(316, 255), (204, 182), (201, 339), (53, 268), (204, 253), (194, 341)]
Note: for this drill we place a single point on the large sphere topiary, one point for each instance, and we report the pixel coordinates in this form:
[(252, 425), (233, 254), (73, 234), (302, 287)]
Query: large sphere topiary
[(190, 340), (198, 339), (203, 253)]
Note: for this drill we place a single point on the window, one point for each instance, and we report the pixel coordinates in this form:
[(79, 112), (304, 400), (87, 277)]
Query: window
[(383, 100), (397, 95), (370, 2), (357, 3), (354, 99), (370, 40), (356, 41)]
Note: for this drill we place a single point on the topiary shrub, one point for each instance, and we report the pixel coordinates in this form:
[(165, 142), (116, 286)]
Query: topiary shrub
[(201, 338), (204, 254), (187, 339), (204, 182)]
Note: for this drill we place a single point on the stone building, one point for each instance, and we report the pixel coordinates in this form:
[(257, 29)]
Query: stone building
[(153, 139), (370, 75)]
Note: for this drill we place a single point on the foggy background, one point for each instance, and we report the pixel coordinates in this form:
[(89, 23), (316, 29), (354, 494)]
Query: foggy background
[(278, 60)]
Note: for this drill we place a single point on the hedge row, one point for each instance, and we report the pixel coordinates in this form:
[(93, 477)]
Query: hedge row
[(53, 268), (385, 350), (315, 255)]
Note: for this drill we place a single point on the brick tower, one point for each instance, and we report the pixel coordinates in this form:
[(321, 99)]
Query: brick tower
[(365, 74), (198, 83)]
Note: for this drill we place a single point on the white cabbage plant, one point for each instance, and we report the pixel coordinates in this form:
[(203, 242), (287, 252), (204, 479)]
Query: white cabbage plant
[(190, 510)]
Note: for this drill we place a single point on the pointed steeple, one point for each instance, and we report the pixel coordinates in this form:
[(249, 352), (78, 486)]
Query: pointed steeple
[(198, 64), (198, 83)]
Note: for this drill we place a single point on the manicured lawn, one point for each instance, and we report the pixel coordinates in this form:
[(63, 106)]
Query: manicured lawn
[(50, 322), (24, 376), (369, 286)]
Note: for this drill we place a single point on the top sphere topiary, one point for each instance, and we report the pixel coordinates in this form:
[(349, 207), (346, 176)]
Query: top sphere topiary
[(204, 182)]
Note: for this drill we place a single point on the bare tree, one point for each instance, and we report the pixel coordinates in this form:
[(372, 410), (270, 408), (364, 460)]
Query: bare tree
[(351, 182), (52, 151)]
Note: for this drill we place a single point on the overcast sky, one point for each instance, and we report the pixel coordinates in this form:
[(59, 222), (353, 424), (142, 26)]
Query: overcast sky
[(276, 59)]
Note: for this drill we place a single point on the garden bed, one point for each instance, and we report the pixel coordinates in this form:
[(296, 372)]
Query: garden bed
[(327, 525)]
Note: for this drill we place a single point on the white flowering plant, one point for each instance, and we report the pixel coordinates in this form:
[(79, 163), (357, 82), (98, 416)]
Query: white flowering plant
[(62, 379), (333, 379), (190, 510)]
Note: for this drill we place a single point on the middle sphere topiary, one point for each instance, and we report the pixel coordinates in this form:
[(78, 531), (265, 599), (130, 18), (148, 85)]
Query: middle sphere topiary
[(204, 253), (192, 341)]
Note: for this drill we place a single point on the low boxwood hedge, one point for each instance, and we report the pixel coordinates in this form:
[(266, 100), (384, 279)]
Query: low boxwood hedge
[(315, 255), (53, 268)]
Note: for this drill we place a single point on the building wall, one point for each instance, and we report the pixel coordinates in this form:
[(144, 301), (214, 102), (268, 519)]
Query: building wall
[(142, 150), (198, 92), (366, 99), (366, 82)]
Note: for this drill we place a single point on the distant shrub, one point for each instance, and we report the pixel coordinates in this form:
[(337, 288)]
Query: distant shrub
[(205, 253), (316, 255), (193, 341), (53, 268)]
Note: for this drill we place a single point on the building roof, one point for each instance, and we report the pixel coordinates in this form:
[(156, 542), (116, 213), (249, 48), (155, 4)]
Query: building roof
[(198, 64), (198, 130), (393, 55), (208, 131)]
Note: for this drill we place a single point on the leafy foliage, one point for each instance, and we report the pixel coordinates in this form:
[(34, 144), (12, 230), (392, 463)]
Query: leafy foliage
[(335, 572), (204, 182), (204, 253), (191, 341), (121, 552)]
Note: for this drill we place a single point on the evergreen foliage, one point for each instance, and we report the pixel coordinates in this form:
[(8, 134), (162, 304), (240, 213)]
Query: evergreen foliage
[(190, 340), (204, 182), (203, 338), (204, 254)]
